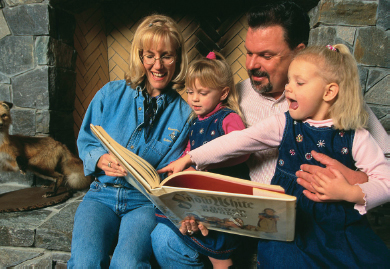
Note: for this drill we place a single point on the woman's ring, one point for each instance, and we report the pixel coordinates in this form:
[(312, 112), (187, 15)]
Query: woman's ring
[(109, 164), (190, 232)]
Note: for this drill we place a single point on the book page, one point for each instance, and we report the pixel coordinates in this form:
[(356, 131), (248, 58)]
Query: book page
[(139, 168), (261, 217)]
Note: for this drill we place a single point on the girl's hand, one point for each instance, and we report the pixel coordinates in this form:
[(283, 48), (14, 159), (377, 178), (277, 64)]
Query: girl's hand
[(307, 172), (336, 188), (176, 166), (189, 226), (111, 166)]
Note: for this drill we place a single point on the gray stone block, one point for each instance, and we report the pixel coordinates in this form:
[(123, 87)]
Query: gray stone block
[(13, 257), (43, 121), (363, 73), (347, 34), (32, 89), (5, 92), (4, 79), (383, 20), (380, 93), (345, 12), (28, 19), (56, 233), (4, 29), (375, 75), (322, 36), (17, 178), (17, 229), (372, 47), (23, 121), (16, 54), (13, 3)]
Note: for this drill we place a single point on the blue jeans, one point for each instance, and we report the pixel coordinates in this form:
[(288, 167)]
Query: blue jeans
[(171, 251), (110, 216)]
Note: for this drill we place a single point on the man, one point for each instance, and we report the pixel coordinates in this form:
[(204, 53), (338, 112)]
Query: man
[(276, 33)]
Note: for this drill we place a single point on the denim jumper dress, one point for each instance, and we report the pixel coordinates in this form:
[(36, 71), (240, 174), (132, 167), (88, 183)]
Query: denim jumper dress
[(216, 244), (327, 235)]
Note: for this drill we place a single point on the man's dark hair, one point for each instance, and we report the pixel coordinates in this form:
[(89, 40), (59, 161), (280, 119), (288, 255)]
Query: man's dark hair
[(291, 17)]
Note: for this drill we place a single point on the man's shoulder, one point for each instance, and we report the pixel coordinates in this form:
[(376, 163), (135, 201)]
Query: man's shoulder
[(243, 85)]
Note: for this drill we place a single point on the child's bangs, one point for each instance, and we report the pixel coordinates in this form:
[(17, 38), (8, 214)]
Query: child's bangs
[(205, 76)]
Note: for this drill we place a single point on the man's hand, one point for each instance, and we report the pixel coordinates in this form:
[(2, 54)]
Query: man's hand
[(305, 177)]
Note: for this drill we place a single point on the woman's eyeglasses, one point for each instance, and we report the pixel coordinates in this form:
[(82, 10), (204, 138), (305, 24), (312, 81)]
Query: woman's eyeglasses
[(165, 60)]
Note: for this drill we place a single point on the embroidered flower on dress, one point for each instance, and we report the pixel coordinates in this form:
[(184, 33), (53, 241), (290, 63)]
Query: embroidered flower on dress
[(292, 152), (321, 144), (193, 142), (216, 120), (341, 134), (344, 150), (281, 162), (295, 122), (213, 132), (299, 138), (308, 156), (201, 131)]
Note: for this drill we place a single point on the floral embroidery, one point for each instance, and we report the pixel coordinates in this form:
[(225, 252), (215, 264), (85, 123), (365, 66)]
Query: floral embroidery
[(201, 131), (321, 144), (344, 150), (193, 142), (308, 156), (215, 120), (281, 162), (292, 152), (299, 138), (213, 132), (295, 122), (192, 131), (341, 134)]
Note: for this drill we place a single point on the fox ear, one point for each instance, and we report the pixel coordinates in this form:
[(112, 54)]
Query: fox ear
[(7, 105)]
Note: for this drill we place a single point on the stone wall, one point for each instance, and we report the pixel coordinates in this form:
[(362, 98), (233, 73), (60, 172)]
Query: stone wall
[(37, 68), (362, 26)]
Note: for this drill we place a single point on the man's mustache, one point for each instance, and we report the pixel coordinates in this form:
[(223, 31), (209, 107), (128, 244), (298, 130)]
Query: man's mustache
[(258, 73)]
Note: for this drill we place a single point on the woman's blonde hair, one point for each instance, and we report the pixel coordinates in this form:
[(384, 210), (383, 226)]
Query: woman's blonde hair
[(214, 74), (153, 30), (338, 65)]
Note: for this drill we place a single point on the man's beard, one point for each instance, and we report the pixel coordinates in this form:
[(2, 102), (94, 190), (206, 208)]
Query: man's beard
[(257, 86)]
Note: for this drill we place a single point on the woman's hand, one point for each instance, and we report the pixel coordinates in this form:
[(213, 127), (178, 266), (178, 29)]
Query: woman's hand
[(176, 166), (110, 166), (306, 175), (336, 188), (189, 226)]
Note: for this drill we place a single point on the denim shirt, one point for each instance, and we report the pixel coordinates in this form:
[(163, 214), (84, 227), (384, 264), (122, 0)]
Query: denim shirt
[(119, 109)]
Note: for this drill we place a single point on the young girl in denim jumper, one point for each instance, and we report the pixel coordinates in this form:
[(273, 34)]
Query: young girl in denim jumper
[(325, 115), (214, 101)]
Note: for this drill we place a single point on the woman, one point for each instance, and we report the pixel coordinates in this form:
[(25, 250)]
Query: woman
[(145, 114)]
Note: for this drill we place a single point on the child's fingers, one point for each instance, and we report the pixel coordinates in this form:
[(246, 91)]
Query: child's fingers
[(183, 228), (164, 170), (203, 229)]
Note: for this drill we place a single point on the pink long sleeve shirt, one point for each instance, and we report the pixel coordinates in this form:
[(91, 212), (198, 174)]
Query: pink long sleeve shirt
[(268, 133)]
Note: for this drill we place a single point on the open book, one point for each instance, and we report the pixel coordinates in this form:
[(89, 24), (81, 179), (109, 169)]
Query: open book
[(220, 202)]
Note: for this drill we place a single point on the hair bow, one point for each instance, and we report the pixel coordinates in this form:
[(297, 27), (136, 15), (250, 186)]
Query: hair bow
[(331, 47), (211, 56)]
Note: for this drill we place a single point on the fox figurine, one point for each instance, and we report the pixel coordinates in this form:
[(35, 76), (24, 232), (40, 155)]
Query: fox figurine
[(43, 156)]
